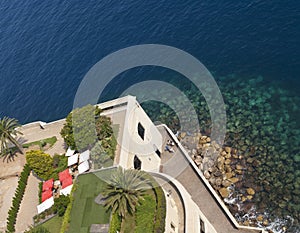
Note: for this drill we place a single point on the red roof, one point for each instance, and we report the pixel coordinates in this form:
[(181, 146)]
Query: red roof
[(48, 185), (64, 175), (46, 195), (67, 182)]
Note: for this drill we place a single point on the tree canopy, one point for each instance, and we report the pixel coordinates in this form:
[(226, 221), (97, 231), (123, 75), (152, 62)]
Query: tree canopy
[(85, 127), (124, 190), (41, 163), (8, 132)]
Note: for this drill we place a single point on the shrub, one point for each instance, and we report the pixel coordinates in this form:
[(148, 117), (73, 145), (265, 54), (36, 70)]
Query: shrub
[(67, 215), (40, 191), (17, 199), (39, 229), (159, 226), (78, 124), (61, 204), (60, 162), (99, 156), (41, 163)]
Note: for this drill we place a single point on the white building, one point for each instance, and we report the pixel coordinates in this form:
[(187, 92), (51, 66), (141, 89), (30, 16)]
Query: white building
[(193, 206), (139, 141)]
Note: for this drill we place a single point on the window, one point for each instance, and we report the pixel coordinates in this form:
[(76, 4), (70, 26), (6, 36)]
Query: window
[(172, 226), (141, 131), (202, 227), (157, 152), (137, 163)]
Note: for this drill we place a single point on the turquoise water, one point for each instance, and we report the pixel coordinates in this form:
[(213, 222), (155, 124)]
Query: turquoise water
[(263, 124)]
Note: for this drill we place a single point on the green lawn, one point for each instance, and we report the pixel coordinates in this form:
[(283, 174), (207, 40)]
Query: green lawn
[(53, 225), (85, 211), (42, 143), (143, 218)]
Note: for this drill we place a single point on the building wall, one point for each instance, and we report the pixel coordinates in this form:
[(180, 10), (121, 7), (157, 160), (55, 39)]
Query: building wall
[(132, 144)]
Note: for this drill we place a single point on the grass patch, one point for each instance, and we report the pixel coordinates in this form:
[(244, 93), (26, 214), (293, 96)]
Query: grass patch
[(85, 211), (147, 213), (53, 225), (128, 225), (42, 143), (144, 217)]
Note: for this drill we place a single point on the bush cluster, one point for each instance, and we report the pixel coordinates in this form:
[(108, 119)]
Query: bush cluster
[(40, 192), (77, 132), (67, 215), (42, 216), (41, 163), (61, 204), (44, 166), (39, 229), (13, 211)]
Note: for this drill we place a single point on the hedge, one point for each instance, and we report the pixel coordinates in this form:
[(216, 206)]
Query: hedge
[(40, 192), (67, 215), (160, 216), (16, 202)]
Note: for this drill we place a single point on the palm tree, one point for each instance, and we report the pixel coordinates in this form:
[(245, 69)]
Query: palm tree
[(125, 189), (7, 135)]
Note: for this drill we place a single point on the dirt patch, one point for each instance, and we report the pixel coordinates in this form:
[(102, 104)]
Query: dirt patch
[(7, 192), (12, 166)]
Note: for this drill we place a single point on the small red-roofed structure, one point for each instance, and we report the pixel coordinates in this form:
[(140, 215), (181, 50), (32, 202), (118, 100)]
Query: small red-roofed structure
[(46, 195), (64, 175), (48, 185), (67, 182)]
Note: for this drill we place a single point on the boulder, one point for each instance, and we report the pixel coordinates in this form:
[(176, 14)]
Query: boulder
[(224, 192), (207, 174), (227, 161), (239, 167), (218, 181), (226, 183), (227, 149), (233, 180), (250, 191), (260, 218), (228, 175)]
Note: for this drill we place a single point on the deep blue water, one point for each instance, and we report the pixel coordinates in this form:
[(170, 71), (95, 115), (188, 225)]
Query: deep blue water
[(46, 47)]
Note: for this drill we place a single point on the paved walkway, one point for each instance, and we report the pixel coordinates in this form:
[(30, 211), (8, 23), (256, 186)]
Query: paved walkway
[(174, 206), (176, 165), (7, 192), (33, 132), (28, 205)]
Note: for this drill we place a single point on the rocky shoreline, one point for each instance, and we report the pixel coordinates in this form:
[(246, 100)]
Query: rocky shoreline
[(225, 169)]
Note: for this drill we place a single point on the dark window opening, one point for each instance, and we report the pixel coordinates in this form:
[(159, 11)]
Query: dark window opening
[(141, 131), (202, 228), (137, 163), (157, 152), (172, 226)]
